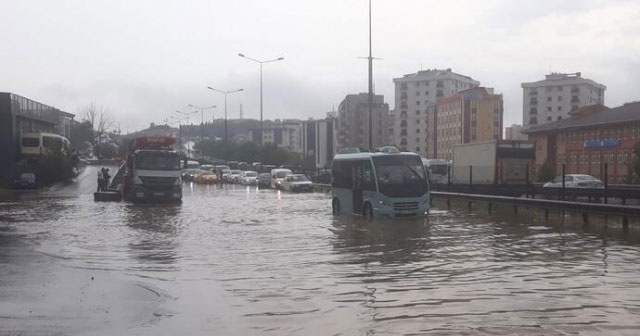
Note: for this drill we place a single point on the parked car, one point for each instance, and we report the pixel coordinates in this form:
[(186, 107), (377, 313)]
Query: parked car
[(233, 176), (249, 177), (297, 183), (25, 181), (206, 177), (190, 173), (264, 180), (575, 181)]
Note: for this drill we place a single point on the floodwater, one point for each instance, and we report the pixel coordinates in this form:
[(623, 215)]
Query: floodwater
[(234, 260)]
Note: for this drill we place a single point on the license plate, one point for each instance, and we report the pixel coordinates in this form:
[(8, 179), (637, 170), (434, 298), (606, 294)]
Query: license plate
[(157, 193)]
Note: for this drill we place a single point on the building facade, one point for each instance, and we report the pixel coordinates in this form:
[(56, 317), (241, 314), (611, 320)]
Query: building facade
[(22, 115), (415, 96), (514, 132), (473, 115), (590, 138), (353, 121), (553, 98)]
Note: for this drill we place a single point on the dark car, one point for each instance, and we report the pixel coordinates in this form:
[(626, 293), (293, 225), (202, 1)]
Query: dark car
[(264, 180)]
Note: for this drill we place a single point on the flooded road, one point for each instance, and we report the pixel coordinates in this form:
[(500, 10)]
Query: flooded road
[(236, 260)]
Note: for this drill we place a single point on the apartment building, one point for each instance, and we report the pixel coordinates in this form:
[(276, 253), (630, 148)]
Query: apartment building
[(353, 121), (473, 115), (553, 98), (514, 132), (416, 95)]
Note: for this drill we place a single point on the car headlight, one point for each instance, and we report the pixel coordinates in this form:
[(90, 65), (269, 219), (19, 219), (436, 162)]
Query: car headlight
[(384, 203)]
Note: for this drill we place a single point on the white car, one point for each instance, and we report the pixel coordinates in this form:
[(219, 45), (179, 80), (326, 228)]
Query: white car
[(575, 181), (249, 177), (297, 183)]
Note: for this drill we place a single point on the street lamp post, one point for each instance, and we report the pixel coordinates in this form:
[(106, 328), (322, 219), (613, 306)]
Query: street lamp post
[(179, 121), (186, 114), (261, 63), (202, 123), (225, 107)]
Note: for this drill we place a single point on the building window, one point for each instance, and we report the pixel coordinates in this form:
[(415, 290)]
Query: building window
[(533, 110), (559, 117), (549, 109), (418, 102), (559, 88), (417, 149), (549, 99), (549, 118), (559, 98), (559, 108), (417, 112), (417, 93), (417, 130)]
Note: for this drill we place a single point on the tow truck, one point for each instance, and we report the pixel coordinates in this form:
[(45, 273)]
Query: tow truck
[(152, 171)]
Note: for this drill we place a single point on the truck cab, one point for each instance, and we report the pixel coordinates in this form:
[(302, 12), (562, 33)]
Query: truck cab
[(153, 171)]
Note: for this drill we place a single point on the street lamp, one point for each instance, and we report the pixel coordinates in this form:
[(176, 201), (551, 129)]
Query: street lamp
[(225, 107), (261, 63), (186, 114), (179, 121), (202, 122)]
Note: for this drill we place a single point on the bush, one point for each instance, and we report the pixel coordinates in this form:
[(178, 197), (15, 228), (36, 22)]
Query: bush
[(53, 167), (546, 172)]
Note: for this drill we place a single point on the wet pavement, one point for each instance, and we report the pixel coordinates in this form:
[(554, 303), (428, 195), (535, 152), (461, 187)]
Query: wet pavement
[(236, 260)]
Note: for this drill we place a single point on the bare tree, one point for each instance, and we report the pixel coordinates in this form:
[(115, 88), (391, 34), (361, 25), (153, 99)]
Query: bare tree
[(99, 119)]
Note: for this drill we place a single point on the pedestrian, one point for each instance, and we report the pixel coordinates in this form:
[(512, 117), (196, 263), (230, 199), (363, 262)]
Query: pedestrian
[(100, 180), (105, 179)]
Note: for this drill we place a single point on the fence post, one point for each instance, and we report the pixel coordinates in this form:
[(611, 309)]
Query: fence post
[(470, 177), (448, 177), (563, 176), (606, 182), (527, 179)]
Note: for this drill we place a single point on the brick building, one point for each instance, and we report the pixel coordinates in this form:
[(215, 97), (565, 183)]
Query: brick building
[(591, 136)]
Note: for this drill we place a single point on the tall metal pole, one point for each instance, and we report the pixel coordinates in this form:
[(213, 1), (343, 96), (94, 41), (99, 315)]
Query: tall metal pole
[(261, 122), (225, 117), (370, 85)]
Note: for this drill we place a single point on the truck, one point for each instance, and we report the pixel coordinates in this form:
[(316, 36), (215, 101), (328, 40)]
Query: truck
[(152, 171), (438, 170), (493, 162)]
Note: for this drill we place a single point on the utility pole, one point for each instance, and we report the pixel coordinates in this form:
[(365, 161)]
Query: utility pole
[(370, 85)]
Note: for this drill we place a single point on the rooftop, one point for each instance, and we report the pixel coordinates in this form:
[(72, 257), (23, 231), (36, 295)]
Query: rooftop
[(592, 115)]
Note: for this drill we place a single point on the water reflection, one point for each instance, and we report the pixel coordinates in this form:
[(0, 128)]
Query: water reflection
[(154, 236)]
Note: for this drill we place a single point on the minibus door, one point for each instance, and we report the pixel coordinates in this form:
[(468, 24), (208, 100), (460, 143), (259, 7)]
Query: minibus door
[(356, 174)]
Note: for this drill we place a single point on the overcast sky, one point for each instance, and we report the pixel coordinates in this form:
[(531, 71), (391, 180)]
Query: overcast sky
[(143, 60)]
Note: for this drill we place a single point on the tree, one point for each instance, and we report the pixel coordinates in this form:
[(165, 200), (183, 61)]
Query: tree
[(81, 133), (546, 172), (98, 119)]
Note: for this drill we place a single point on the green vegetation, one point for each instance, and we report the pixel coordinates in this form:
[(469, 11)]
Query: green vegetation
[(546, 172)]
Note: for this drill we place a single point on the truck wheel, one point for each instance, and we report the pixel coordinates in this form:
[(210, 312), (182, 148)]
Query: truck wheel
[(367, 212), (335, 206)]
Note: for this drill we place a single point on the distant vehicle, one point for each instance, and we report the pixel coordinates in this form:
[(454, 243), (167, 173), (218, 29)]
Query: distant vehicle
[(277, 176), (297, 183), (490, 162), (233, 176), (232, 164), (575, 181), (189, 174), (264, 180), (249, 177), (207, 167), (206, 177), (25, 181), (438, 170), (191, 164), (33, 144), (387, 183)]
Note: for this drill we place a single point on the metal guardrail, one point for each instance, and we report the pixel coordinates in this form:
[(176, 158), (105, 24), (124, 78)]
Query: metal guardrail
[(607, 209)]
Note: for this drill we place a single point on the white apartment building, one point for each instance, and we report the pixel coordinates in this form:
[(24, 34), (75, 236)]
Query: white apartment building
[(558, 94), (353, 121), (415, 95)]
